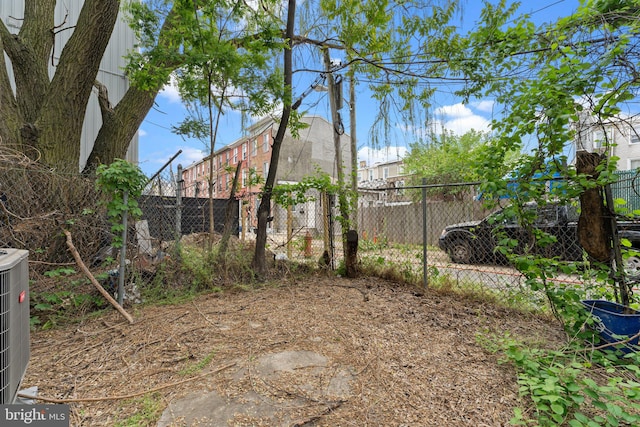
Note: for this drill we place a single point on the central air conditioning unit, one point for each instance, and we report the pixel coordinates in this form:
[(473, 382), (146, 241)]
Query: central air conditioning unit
[(14, 321)]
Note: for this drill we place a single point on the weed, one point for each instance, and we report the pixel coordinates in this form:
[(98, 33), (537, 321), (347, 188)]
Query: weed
[(192, 369), (48, 309), (151, 407), (59, 272), (565, 390), (374, 244)]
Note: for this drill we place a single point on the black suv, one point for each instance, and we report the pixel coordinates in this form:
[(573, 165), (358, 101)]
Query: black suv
[(476, 242)]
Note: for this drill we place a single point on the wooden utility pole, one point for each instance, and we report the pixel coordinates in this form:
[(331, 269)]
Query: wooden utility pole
[(335, 118), (350, 253), (354, 151)]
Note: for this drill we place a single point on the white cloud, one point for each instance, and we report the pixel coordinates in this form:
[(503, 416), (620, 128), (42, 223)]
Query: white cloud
[(455, 110), (485, 106), (460, 119), (142, 132), (462, 125), (170, 91), (190, 155), (388, 154)]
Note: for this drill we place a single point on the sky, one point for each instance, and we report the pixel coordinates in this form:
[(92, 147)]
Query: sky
[(157, 144)]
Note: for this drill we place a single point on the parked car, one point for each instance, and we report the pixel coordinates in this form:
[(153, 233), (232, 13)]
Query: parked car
[(477, 241)]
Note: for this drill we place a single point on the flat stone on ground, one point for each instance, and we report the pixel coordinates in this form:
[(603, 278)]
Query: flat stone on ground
[(317, 384)]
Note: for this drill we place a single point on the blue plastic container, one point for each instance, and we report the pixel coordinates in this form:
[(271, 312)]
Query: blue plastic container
[(611, 320)]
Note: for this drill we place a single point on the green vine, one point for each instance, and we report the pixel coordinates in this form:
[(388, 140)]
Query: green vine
[(294, 194), (113, 181), (574, 386)]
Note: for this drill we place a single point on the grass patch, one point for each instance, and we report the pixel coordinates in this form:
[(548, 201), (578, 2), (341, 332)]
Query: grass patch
[(196, 367), (151, 408)]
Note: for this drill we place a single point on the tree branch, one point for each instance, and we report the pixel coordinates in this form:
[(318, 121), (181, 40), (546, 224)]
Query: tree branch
[(72, 83), (131, 395), (9, 115), (321, 43), (9, 41), (37, 28), (113, 138), (106, 109), (93, 280)]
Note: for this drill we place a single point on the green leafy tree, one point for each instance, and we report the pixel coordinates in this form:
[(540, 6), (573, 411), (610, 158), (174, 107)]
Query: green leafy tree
[(553, 80), (121, 184), (31, 117), (445, 159), (220, 73), (397, 62), (259, 256)]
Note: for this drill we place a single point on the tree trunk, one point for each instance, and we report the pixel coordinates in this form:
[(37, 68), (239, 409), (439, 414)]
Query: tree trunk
[(10, 120), (335, 119), (60, 121), (594, 227), (259, 256), (351, 254), (228, 218), (48, 115), (30, 53), (354, 151), (119, 126)]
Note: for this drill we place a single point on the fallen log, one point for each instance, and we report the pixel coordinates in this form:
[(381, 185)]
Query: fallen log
[(93, 280)]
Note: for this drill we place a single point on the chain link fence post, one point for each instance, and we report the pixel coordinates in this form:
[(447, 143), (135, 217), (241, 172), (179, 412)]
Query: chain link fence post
[(179, 182), (123, 250), (425, 277)]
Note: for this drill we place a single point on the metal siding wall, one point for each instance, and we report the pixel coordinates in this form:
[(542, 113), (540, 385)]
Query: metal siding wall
[(10, 13), (111, 68)]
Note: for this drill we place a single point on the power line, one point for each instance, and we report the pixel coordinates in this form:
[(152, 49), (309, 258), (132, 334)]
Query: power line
[(156, 124)]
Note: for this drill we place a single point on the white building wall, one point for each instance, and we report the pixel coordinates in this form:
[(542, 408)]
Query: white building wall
[(111, 72), (594, 137)]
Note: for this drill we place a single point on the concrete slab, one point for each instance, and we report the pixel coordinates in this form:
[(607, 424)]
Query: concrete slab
[(308, 373)]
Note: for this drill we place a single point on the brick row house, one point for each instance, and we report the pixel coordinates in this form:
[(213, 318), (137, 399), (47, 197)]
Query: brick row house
[(300, 156)]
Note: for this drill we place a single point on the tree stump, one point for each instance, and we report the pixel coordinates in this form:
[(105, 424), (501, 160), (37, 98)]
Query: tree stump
[(351, 256)]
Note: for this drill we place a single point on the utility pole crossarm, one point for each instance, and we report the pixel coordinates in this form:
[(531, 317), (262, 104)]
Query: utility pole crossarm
[(321, 78)]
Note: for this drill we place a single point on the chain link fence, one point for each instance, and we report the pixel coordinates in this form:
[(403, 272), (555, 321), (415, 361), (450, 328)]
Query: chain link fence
[(400, 229), (169, 217), (446, 234), (405, 237), (37, 204)]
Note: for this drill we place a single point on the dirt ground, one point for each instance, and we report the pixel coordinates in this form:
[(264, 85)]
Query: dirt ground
[(413, 357)]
